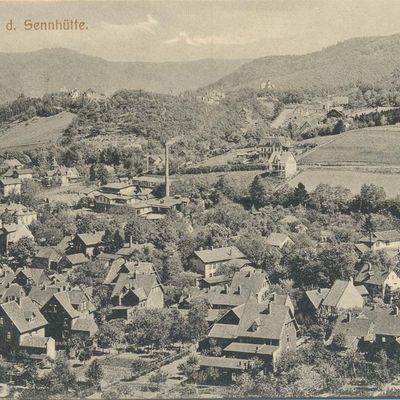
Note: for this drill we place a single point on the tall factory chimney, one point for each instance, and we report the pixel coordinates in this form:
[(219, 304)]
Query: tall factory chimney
[(166, 171)]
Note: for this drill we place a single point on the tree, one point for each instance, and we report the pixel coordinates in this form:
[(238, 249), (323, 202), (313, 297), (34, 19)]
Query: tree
[(369, 226), (339, 341), (196, 323), (110, 334), (190, 368), (261, 190), (138, 230), (102, 174), (61, 378), (94, 373), (370, 199), (300, 195), (22, 250), (159, 377), (89, 274)]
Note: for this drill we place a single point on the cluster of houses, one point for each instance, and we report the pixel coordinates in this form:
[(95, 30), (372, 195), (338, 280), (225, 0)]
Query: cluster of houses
[(13, 173), (274, 152), (138, 195)]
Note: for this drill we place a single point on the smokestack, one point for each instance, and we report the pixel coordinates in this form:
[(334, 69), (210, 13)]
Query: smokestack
[(166, 171)]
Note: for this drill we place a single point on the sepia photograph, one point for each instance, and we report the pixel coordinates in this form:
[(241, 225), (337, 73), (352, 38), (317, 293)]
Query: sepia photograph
[(199, 199)]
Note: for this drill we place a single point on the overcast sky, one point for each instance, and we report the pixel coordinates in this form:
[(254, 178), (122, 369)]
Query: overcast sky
[(192, 29)]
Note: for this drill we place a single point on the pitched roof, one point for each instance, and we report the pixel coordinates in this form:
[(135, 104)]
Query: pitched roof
[(372, 274), (391, 235), (224, 362), (91, 239), (316, 296), (139, 281), (251, 280), (85, 325), (37, 342), (11, 162), (387, 320), (335, 293), (65, 302), (76, 259), (10, 181), (219, 254), (25, 316), (250, 348), (41, 296), (354, 329), (128, 250), (50, 253), (269, 318), (277, 239)]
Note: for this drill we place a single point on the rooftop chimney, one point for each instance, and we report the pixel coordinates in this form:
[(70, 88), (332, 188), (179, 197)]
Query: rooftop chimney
[(349, 316), (396, 310), (369, 266), (226, 288), (273, 296), (239, 289), (130, 241), (166, 171)]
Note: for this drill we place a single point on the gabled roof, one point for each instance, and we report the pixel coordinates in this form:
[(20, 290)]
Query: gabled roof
[(41, 296), (316, 296), (10, 181), (51, 253), (91, 239), (277, 239), (11, 162), (251, 280), (77, 259), (269, 318), (386, 319), (372, 274), (36, 342), (84, 325), (64, 300), (25, 316), (120, 265), (37, 275), (145, 282), (391, 235), (336, 292), (219, 254)]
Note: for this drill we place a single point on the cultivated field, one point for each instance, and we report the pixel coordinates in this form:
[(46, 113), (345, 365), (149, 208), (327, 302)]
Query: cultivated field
[(370, 146), (351, 179), (34, 132)]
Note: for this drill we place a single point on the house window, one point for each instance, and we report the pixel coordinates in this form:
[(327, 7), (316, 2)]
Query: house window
[(1, 321), (383, 339), (8, 337)]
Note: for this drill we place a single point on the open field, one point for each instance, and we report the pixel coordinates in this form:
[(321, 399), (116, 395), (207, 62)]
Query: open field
[(34, 132), (374, 146), (351, 179)]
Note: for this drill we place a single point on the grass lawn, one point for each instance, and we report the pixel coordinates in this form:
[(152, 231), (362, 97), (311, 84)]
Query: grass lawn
[(374, 146), (35, 132), (351, 179)]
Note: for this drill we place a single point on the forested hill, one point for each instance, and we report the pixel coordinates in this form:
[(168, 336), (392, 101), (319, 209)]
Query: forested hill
[(46, 71), (365, 60), (128, 117)]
